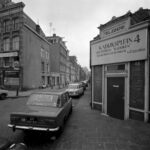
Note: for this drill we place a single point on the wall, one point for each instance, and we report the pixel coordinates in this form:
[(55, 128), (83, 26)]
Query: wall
[(97, 86), (32, 58), (137, 82), (54, 57)]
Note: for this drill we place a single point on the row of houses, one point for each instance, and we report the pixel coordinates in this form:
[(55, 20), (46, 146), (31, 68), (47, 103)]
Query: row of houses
[(30, 59)]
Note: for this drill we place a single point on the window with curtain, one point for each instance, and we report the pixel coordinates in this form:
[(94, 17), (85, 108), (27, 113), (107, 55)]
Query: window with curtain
[(6, 25), (16, 23), (6, 44), (15, 43)]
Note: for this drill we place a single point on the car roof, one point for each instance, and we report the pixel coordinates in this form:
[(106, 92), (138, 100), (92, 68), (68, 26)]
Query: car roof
[(74, 83), (51, 93)]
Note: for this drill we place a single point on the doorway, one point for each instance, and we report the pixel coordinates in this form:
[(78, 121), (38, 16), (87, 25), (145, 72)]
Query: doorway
[(115, 96)]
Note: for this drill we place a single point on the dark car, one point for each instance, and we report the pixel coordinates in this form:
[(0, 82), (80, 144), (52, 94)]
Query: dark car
[(46, 111), (3, 93), (83, 85)]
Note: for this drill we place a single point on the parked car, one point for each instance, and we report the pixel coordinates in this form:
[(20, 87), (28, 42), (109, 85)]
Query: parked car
[(75, 89), (85, 82), (45, 111), (3, 93), (83, 85)]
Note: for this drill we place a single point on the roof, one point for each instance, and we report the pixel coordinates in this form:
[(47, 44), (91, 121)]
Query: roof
[(140, 15)]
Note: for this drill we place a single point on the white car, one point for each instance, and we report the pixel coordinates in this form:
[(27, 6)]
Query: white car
[(75, 89), (3, 93)]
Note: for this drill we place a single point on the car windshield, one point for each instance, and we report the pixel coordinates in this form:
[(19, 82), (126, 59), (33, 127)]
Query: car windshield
[(73, 86), (43, 100)]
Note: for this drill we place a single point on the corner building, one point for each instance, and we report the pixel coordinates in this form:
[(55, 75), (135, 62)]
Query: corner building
[(24, 50), (119, 61)]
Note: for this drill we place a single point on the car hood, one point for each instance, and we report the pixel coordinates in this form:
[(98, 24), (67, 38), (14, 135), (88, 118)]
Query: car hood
[(40, 111)]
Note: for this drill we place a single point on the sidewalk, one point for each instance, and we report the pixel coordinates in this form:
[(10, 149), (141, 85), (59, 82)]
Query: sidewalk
[(12, 94), (88, 129)]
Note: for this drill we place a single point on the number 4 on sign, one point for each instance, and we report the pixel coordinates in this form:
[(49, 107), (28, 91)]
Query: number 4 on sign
[(137, 38)]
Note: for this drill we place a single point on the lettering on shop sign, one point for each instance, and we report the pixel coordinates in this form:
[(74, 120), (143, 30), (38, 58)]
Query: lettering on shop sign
[(127, 47), (114, 30), (118, 46)]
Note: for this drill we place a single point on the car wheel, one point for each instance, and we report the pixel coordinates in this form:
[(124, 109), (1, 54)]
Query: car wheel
[(3, 96)]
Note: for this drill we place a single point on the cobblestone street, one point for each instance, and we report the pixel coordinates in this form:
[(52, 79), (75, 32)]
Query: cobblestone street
[(88, 129)]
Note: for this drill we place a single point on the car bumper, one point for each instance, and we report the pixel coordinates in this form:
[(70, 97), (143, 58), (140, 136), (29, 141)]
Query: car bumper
[(32, 128)]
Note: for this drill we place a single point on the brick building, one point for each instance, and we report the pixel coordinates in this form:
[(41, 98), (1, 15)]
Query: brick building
[(58, 59), (119, 60), (24, 50)]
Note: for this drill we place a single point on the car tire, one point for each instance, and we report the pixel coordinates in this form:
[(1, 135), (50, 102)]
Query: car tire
[(3, 96)]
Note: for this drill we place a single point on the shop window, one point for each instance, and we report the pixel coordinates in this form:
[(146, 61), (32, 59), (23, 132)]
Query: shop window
[(116, 67), (15, 43), (6, 44), (43, 80)]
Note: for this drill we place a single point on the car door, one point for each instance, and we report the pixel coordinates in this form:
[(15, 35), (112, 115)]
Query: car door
[(64, 107)]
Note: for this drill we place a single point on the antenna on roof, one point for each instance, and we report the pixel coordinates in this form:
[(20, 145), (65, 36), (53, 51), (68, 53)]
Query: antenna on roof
[(54, 30), (50, 25)]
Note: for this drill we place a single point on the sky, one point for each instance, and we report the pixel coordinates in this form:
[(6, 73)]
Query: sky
[(77, 20)]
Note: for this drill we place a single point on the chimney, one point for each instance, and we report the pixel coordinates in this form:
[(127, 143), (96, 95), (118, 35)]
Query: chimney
[(38, 29)]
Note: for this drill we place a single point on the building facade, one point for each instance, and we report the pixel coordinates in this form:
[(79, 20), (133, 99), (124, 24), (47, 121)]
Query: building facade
[(24, 50), (58, 58), (73, 63), (119, 60)]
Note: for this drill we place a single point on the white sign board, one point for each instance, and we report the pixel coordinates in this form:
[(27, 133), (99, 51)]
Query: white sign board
[(116, 28), (127, 47)]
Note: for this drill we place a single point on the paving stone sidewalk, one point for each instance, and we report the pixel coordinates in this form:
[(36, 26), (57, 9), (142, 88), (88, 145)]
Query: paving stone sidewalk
[(88, 129)]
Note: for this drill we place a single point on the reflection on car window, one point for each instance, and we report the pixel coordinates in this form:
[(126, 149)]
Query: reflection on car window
[(43, 100), (72, 86)]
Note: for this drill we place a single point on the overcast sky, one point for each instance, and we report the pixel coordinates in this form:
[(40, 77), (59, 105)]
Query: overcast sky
[(77, 20)]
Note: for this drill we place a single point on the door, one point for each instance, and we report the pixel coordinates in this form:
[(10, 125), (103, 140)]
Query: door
[(115, 97)]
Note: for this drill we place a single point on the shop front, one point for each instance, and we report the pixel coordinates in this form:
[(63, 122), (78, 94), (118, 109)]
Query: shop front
[(120, 70)]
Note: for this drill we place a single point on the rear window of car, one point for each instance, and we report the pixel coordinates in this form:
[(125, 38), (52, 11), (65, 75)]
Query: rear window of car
[(73, 86), (43, 100)]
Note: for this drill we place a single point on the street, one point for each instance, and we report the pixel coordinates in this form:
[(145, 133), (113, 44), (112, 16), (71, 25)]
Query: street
[(86, 129)]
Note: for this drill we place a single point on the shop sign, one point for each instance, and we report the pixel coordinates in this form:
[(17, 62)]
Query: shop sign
[(127, 47), (116, 28)]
